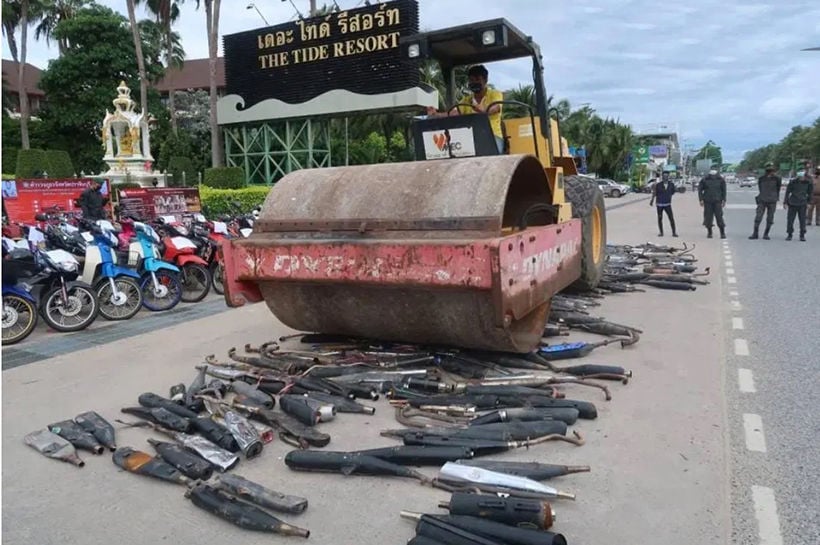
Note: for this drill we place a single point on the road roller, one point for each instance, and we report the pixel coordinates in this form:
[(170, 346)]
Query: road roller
[(462, 247)]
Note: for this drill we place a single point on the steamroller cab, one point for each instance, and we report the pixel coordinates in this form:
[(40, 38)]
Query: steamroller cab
[(462, 247)]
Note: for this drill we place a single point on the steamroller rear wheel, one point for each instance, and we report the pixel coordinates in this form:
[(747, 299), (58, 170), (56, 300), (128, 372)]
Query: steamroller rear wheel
[(588, 204)]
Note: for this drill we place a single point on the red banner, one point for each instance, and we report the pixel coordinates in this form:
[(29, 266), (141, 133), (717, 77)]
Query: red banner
[(22, 199), (149, 202)]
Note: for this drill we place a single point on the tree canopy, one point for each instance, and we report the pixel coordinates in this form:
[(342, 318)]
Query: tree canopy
[(801, 143), (82, 82)]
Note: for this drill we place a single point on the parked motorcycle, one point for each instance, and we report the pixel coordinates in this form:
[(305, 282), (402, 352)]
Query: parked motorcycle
[(208, 236), (182, 251), (159, 280), (65, 303), (117, 288), (19, 313)]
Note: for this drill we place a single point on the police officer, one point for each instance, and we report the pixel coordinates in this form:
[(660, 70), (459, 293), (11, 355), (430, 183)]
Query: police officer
[(768, 187), (712, 197), (814, 204), (798, 194)]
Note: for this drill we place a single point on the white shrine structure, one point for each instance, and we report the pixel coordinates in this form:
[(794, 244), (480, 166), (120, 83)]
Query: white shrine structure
[(127, 143)]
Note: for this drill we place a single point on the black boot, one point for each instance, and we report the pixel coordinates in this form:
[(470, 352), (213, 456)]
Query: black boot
[(766, 233), (803, 237), (708, 232), (754, 234), (789, 236), (722, 233)]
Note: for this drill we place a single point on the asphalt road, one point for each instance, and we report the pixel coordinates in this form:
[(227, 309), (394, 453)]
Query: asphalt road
[(669, 455), (777, 290)]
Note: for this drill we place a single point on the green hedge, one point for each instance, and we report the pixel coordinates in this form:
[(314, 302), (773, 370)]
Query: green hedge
[(218, 201), (225, 178), (176, 166), (31, 163), (126, 185), (59, 164), (10, 159), (8, 176)]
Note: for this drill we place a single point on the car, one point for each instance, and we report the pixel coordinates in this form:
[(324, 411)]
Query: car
[(747, 182), (611, 188)]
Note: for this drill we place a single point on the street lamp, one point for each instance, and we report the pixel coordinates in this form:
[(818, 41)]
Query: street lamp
[(253, 6)]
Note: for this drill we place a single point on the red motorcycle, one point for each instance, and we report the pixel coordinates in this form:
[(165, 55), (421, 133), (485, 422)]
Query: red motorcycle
[(180, 250)]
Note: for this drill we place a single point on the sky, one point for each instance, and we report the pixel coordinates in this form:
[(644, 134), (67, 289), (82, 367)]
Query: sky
[(730, 71)]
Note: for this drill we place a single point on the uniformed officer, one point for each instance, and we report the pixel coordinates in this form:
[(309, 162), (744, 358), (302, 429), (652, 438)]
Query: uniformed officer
[(768, 187), (662, 192), (814, 204), (798, 194), (712, 197)]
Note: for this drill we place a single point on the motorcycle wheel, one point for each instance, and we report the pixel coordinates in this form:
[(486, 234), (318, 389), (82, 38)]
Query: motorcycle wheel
[(132, 302), (196, 282), (170, 287), (217, 272), (19, 319), (75, 314)]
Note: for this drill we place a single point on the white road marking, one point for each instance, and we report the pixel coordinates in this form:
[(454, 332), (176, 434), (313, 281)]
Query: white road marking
[(732, 280), (733, 293), (729, 263), (730, 271), (753, 426), (741, 207), (768, 523), (737, 323), (736, 305), (746, 380), (741, 347)]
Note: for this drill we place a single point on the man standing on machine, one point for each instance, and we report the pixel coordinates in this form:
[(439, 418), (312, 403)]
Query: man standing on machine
[(712, 197), (480, 100), (768, 194)]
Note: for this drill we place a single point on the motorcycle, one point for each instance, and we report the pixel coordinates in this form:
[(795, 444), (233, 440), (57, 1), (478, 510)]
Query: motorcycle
[(65, 303), (159, 280), (208, 236), (117, 288), (19, 313), (182, 251)]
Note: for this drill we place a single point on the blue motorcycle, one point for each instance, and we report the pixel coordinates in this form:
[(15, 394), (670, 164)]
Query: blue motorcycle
[(19, 305), (159, 283), (118, 289)]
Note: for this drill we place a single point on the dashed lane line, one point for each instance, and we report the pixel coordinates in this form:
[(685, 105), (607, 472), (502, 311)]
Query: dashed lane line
[(737, 323), (741, 347), (730, 270), (732, 280), (736, 305), (766, 513), (746, 381), (733, 293), (753, 428)]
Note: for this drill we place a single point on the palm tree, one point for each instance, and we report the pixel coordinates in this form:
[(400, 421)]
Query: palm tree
[(135, 33), (212, 24), (55, 11), (524, 94), (154, 39), (167, 12), (19, 14)]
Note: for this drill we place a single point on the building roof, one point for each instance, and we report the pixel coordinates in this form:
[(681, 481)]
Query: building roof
[(194, 74), (32, 78)]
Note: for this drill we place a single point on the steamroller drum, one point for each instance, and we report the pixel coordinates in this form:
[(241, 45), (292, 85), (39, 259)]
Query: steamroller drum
[(423, 252), (588, 204)]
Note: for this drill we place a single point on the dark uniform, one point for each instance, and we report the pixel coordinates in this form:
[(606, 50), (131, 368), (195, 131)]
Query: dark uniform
[(92, 203), (662, 194), (712, 195), (798, 194), (814, 204), (768, 187)]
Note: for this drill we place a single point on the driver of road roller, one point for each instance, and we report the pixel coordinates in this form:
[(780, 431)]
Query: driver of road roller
[(480, 100)]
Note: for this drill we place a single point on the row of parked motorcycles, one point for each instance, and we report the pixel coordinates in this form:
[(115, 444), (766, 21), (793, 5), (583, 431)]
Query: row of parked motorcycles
[(69, 270)]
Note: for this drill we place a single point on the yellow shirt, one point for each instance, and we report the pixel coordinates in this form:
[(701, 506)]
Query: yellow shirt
[(490, 96)]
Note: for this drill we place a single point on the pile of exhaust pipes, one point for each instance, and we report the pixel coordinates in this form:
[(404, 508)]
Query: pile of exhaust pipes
[(455, 406), (658, 266)]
